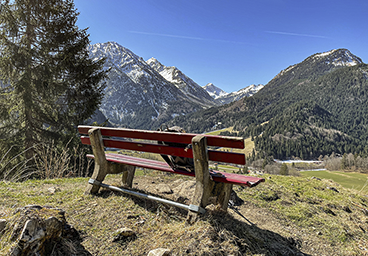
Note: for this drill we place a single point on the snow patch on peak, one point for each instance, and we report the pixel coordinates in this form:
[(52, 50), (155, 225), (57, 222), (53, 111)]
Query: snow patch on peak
[(186, 85), (245, 92), (285, 70), (171, 75), (318, 55), (248, 91), (155, 64), (214, 91), (111, 48), (115, 54), (340, 57)]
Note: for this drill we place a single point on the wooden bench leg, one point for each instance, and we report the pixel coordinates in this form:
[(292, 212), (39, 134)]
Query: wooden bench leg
[(127, 170), (101, 165), (203, 182), (128, 175), (222, 192)]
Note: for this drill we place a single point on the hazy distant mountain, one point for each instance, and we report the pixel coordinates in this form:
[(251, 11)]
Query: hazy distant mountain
[(245, 92), (138, 96), (223, 97), (214, 91), (317, 106)]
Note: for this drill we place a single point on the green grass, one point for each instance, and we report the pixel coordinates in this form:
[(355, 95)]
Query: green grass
[(225, 168), (305, 165), (229, 129), (248, 143), (249, 146), (357, 181), (310, 204)]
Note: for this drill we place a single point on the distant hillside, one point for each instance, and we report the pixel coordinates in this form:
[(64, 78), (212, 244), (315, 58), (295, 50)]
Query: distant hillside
[(335, 82), (303, 130)]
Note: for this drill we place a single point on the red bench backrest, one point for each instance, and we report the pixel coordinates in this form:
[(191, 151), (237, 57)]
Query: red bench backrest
[(186, 138)]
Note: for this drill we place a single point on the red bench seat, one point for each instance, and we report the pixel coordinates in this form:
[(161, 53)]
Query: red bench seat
[(218, 176)]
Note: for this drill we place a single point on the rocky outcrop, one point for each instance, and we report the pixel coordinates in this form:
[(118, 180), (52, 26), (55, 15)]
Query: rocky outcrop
[(41, 230)]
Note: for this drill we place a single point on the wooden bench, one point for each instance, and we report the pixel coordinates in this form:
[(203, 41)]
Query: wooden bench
[(209, 183)]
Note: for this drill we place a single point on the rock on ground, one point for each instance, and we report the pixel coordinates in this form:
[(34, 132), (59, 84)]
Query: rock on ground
[(159, 252), (41, 230)]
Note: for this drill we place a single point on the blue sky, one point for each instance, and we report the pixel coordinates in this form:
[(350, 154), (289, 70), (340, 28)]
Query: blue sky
[(230, 43)]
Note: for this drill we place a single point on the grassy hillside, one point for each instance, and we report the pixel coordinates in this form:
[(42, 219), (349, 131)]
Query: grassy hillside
[(283, 216), (248, 143), (353, 180)]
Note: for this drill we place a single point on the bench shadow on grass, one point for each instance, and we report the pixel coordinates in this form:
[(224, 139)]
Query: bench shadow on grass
[(251, 238), (248, 237)]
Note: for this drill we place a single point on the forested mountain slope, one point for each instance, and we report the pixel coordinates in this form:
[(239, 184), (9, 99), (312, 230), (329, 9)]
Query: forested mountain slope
[(335, 83)]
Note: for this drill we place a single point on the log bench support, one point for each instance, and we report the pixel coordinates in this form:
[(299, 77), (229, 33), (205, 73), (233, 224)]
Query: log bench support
[(103, 167), (206, 188)]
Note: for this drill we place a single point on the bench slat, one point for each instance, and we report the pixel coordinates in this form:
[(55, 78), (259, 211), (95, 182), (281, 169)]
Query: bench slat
[(186, 138), (232, 178), (218, 156)]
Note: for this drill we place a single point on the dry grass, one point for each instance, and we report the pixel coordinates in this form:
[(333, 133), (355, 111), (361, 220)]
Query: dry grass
[(284, 216), (249, 146), (47, 163)]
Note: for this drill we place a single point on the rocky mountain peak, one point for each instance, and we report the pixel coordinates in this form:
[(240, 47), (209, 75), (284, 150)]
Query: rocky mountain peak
[(155, 64), (339, 57), (175, 76), (242, 93), (319, 64), (113, 52), (214, 91)]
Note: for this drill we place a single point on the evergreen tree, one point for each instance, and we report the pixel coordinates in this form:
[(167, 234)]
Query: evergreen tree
[(49, 83)]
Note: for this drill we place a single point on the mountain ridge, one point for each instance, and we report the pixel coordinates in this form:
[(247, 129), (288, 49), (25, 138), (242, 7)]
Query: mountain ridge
[(240, 94), (190, 88)]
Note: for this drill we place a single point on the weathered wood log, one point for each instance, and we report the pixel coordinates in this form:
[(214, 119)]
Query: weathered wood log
[(222, 192), (101, 165), (128, 175), (204, 184)]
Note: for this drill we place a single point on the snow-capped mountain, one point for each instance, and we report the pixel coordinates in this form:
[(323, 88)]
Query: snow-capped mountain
[(136, 95), (214, 91), (223, 97), (340, 57), (245, 92), (190, 88), (320, 63)]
